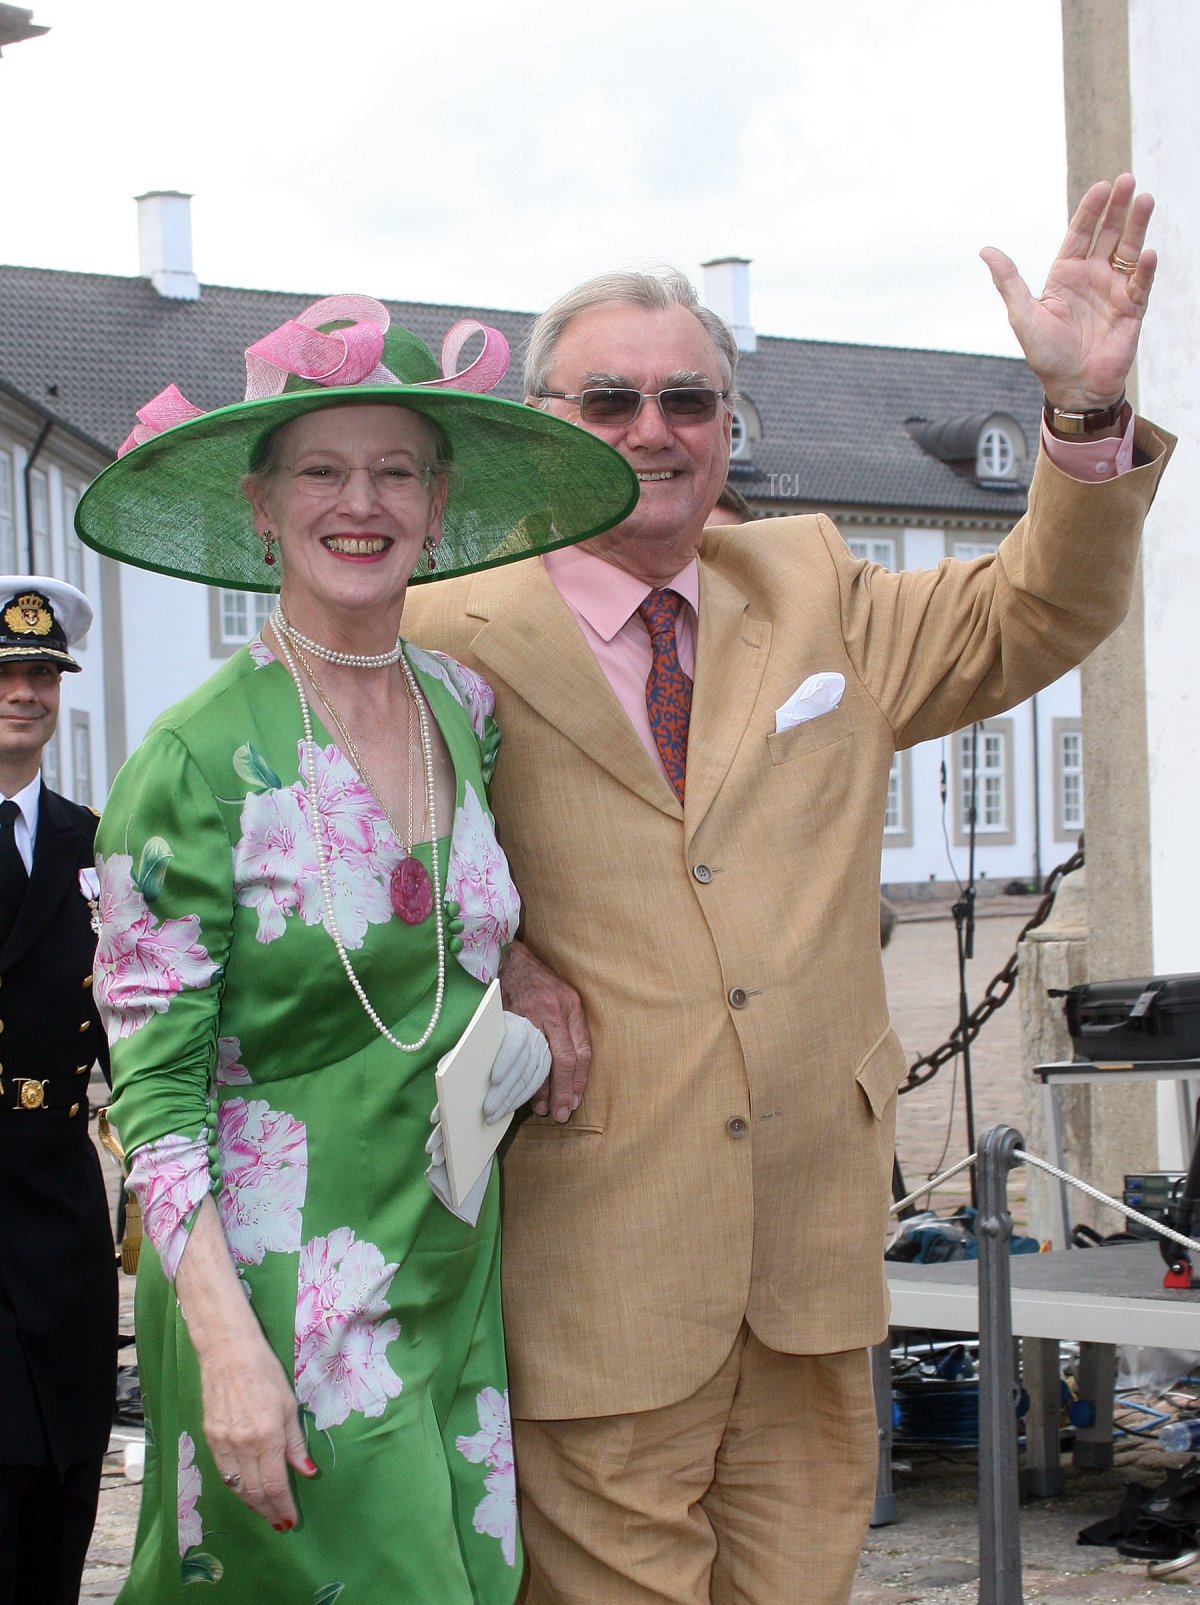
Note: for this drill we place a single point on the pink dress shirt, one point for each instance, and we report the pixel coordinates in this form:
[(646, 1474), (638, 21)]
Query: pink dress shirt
[(604, 598)]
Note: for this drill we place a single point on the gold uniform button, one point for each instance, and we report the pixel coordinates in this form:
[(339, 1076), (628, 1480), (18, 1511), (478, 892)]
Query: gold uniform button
[(72, 1111), (86, 1026), (82, 1069), (1, 1025), (87, 981)]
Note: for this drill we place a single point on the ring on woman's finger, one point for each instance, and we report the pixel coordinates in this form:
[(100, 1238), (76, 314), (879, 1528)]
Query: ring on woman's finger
[(1121, 265), (232, 1479)]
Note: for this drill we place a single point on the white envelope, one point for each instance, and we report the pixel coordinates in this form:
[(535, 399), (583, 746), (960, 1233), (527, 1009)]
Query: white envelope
[(462, 1079), (819, 694)]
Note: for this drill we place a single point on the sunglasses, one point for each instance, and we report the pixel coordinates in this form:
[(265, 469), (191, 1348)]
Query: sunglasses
[(603, 404)]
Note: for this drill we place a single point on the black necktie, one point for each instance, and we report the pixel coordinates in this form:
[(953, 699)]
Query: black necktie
[(13, 876)]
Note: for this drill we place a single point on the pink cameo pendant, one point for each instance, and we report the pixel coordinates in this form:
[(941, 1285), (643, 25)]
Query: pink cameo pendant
[(411, 891)]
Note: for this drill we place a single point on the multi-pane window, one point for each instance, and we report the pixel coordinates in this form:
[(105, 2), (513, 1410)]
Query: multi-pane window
[(996, 454), (876, 549), (966, 551), (72, 546), (1070, 781), (39, 518), (243, 614), (8, 515), (52, 763), (983, 773), (81, 757), (894, 822)]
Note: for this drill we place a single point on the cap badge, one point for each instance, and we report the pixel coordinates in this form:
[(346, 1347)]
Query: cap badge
[(28, 615)]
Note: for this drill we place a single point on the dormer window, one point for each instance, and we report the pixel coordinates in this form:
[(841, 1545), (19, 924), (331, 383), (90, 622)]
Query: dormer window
[(999, 450), (995, 454), (737, 436)]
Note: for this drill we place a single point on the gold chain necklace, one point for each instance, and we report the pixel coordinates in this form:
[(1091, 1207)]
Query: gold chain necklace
[(314, 825), (356, 757)]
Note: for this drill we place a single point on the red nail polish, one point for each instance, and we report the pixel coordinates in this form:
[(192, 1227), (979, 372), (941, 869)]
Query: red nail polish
[(279, 1526), (310, 1467)]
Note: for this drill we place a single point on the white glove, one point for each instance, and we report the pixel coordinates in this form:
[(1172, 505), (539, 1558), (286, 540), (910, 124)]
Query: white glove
[(521, 1067)]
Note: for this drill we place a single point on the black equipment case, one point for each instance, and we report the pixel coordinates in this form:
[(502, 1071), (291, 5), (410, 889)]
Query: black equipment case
[(1155, 1018)]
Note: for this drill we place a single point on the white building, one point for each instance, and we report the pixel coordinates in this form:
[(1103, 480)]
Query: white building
[(918, 455)]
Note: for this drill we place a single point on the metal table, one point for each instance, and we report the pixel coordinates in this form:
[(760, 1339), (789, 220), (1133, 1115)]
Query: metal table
[(1097, 1297)]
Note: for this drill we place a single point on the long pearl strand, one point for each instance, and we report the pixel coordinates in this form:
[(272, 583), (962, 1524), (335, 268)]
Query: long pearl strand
[(347, 660), (314, 822)]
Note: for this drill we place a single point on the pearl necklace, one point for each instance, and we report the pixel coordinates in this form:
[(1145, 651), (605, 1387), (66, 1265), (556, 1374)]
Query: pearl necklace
[(314, 825), (346, 660), (356, 757)]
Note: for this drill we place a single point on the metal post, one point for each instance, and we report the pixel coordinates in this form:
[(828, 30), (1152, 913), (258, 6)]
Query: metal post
[(999, 1512)]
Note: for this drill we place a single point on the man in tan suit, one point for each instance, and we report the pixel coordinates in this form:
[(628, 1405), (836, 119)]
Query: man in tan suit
[(694, 1229)]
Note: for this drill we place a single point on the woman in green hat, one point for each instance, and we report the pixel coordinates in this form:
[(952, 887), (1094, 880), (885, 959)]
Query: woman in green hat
[(302, 903)]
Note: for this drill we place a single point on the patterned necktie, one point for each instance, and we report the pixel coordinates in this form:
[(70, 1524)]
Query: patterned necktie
[(13, 875), (668, 689)]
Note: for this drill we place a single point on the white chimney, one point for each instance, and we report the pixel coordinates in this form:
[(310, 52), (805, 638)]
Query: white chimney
[(727, 292), (165, 244)]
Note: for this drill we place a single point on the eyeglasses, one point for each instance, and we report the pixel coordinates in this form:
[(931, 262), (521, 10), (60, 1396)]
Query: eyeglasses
[(393, 479), (681, 404)]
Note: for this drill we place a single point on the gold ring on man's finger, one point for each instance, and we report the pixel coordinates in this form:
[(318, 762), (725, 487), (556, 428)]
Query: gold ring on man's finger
[(1121, 265)]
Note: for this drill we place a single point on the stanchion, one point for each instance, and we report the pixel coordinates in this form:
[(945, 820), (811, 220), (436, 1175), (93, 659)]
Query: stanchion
[(999, 1512)]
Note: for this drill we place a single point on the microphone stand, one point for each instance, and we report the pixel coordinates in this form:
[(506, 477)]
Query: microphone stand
[(964, 925)]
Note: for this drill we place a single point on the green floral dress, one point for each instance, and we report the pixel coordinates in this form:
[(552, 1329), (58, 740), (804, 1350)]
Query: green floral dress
[(244, 1065)]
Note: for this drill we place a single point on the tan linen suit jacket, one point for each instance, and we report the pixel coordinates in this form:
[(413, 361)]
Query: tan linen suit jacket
[(732, 1155)]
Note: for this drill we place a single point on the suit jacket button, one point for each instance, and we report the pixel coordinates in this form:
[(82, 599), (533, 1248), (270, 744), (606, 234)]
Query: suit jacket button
[(737, 997), (736, 1127), (703, 874)]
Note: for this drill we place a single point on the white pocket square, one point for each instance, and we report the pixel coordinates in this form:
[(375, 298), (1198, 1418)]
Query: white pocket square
[(89, 884), (819, 694)]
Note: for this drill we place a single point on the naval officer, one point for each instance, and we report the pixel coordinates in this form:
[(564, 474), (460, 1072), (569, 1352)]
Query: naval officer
[(58, 1292)]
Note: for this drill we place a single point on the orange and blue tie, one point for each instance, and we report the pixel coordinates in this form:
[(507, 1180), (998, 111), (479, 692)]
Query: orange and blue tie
[(668, 689)]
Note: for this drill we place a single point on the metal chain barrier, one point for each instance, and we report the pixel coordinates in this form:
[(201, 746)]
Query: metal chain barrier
[(998, 991)]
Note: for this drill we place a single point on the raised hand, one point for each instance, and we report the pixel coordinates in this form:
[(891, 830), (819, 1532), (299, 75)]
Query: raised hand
[(1080, 335)]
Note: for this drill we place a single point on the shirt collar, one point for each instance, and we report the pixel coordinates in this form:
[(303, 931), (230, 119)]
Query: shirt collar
[(27, 800), (606, 596)]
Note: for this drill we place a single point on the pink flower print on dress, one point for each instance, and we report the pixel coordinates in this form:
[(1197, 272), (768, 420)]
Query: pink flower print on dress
[(260, 652), (230, 1072), (141, 964), (478, 880), (463, 684), (343, 1329), (169, 1178), (275, 864), (274, 859), (496, 1514), (263, 1154), (189, 1491)]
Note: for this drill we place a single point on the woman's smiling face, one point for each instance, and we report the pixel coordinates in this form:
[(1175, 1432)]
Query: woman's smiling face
[(352, 495)]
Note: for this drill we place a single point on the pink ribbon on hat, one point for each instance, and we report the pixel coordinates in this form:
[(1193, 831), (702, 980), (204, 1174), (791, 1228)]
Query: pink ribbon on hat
[(346, 357), (489, 366), (163, 411), (349, 356)]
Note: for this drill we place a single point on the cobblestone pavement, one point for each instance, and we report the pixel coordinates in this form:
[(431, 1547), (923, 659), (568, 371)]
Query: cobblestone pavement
[(930, 1556)]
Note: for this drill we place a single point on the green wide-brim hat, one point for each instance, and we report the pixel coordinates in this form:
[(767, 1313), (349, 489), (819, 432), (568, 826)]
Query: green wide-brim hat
[(521, 481)]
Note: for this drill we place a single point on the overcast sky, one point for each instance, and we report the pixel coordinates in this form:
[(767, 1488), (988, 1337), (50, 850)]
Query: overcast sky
[(494, 155)]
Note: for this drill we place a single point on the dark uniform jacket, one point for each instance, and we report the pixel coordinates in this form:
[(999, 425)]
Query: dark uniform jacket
[(58, 1290)]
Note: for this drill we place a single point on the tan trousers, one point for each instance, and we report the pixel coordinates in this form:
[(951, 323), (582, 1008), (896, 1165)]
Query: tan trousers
[(756, 1490)]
